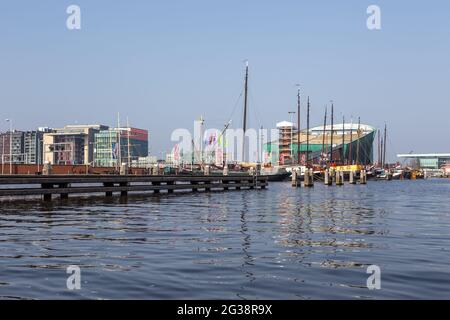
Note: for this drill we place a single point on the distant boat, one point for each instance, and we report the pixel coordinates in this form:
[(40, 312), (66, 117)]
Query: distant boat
[(276, 173)]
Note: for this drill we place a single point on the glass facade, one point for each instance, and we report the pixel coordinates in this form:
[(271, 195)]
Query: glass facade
[(132, 143)]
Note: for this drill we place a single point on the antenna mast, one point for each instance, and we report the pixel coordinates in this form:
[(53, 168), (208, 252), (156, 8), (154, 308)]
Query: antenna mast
[(244, 125)]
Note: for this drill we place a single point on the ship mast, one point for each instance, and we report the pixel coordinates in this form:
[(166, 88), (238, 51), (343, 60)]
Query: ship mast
[(323, 134), (385, 144), (332, 127), (359, 143), (350, 151), (379, 147), (128, 143), (343, 140), (244, 124), (307, 134), (298, 125)]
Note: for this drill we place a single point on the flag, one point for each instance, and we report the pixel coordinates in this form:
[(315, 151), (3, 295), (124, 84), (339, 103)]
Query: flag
[(176, 152), (115, 150)]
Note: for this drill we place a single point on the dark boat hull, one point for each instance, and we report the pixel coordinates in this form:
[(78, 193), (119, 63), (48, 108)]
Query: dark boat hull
[(279, 176)]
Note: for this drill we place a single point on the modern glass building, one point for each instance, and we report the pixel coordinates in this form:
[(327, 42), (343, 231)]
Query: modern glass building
[(428, 160), (132, 143)]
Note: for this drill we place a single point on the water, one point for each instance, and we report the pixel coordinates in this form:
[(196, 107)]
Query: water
[(280, 243)]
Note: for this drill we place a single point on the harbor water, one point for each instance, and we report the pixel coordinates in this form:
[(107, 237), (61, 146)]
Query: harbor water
[(279, 243)]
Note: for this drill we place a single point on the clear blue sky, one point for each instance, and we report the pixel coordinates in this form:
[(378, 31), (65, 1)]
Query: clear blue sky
[(164, 63)]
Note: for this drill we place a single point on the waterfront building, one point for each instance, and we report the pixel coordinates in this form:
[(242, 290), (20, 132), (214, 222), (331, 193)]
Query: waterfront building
[(352, 143), (71, 145), (34, 145), (144, 162), (285, 141), (132, 143), (431, 161), (12, 147)]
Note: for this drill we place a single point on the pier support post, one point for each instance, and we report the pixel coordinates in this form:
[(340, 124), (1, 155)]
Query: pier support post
[(170, 183), (47, 196), (108, 184), (194, 183), (225, 183), (339, 178), (363, 177), (156, 183), (309, 178), (64, 195), (295, 179), (351, 178), (124, 193), (327, 178)]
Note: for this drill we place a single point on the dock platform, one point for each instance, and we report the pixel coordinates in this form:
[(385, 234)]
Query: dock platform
[(63, 185)]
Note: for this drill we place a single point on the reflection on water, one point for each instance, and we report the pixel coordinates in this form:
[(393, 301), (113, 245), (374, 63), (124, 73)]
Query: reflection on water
[(276, 243)]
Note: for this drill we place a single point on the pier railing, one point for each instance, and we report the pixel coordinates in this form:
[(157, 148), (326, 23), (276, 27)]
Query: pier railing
[(63, 185)]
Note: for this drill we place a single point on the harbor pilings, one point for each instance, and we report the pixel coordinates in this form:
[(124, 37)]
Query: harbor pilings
[(363, 177), (339, 178), (351, 178), (327, 180), (295, 180), (309, 178)]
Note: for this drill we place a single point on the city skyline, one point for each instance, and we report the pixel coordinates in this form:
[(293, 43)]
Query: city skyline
[(158, 65)]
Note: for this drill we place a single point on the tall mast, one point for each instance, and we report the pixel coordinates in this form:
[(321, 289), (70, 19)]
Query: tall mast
[(359, 143), (128, 143), (382, 146), (385, 145), (298, 125), (332, 132), (343, 139), (244, 125), (379, 147), (119, 152), (307, 134), (350, 151), (323, 134)]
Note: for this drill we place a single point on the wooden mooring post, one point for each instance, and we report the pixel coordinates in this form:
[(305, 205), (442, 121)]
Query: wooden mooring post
[(296, 179), (309, 178), (339, 178), (327, 179)]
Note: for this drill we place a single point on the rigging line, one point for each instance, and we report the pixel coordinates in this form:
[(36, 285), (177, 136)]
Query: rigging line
[(236, 105)]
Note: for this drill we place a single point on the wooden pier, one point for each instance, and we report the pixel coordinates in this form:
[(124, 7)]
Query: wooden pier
[(63, 185)]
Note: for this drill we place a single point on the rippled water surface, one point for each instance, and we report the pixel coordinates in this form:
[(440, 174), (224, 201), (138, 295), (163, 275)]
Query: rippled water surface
[(280, 243)]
